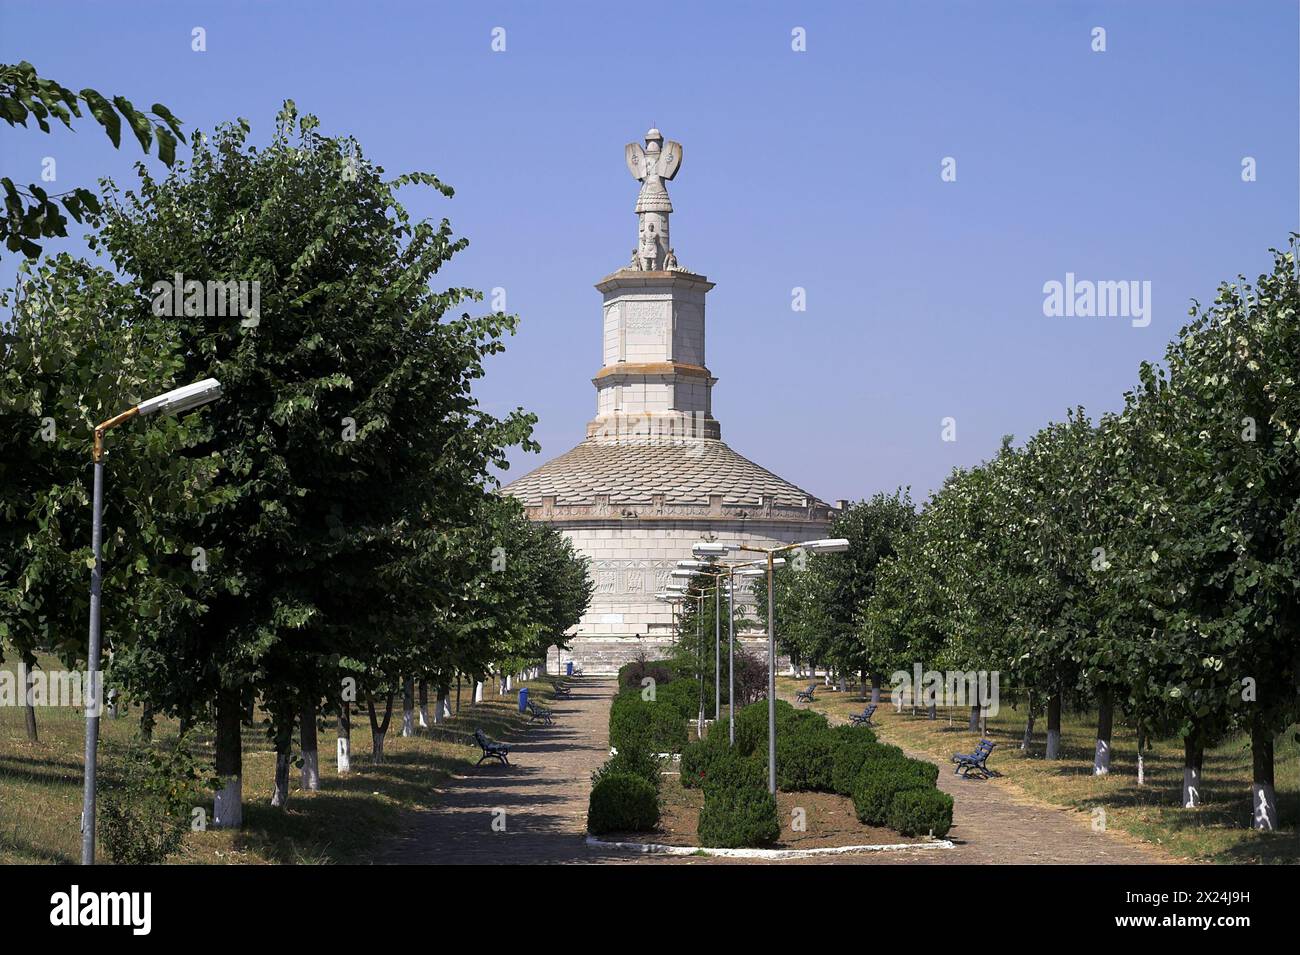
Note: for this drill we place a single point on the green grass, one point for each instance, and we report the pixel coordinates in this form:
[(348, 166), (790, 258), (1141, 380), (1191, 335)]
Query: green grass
[(1217, 831), (40, 784)]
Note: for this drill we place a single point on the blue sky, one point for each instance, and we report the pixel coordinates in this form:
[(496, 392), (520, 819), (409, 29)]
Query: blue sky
[(817, 169)]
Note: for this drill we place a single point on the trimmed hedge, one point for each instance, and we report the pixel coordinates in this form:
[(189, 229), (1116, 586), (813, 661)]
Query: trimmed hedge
[(633, 761), (622, 802), (738, 810), (804, 757), (874, 792), (919, 812), (699, 756), (851, 748), (635, 723), (684, 697)]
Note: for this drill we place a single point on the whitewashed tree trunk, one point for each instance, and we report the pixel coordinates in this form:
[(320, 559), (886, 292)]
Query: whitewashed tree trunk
[(280, 792), (1054, 727), (478, 691), (875, 687), (307, 739), (1263, 797), (1028, 738), (975, 718), (424, 705), (228, 804), (442, 705), (408, 706), (345, 738), (932, 711), (1105, 722), (1193, 763)]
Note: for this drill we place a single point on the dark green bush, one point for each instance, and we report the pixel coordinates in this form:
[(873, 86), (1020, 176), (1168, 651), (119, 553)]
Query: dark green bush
[(918, 812), (633, 761), (804, 760), (751, 725), (738, 810), (684, 697), (874, 791), (699, 756), (851, 748), (635, 723), (622, 802)]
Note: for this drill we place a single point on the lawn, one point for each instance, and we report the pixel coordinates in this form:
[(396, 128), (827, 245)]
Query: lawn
[(40, 784), (1217, 831)]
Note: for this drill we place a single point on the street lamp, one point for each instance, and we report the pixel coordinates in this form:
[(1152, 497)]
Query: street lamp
[(823, 546), (170, 403)]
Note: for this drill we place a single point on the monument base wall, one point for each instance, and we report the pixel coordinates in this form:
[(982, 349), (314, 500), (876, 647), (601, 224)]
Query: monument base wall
[(602, 656)]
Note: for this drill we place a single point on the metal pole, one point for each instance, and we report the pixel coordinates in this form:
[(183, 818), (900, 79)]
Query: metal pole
[(92, 673), (717, 646), (731, 657), (771, 678), (699, 635)]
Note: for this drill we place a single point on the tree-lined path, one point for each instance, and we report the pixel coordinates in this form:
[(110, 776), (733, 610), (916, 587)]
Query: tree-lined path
[(543, 794)]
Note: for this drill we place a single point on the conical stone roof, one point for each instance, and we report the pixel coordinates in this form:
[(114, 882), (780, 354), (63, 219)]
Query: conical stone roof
[(683, 472)]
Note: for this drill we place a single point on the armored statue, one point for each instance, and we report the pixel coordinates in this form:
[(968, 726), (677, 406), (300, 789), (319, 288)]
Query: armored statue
[(652, 166)]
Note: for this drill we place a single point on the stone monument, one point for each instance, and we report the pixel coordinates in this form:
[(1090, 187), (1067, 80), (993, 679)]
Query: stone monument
[(653, 475)]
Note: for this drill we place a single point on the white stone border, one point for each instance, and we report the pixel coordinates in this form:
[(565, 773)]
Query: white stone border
[(655, 848)]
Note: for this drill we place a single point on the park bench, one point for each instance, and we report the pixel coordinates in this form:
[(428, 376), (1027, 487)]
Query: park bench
[(563, 690), (805, 696), (975, 762), (539, 712), (490, 749), (863, 718)]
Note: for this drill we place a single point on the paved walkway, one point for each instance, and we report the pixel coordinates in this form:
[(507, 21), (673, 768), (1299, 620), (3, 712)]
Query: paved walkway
[(543, 795), (544, 799)]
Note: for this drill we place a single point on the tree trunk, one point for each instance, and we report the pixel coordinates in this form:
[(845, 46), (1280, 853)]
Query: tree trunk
[(228, 805), (1054, 726), (1105, 721), (345, 738), (875, 688), (1142, 766), (478, 690), (378, 730), (1193, 762), (408, 706), (458, 693), (310, 753), (975, 718), (442, 704), (932, 711), (424, 704), (25, 677), (280, 792), (147, 722), (1028, 738), (1263, 797)]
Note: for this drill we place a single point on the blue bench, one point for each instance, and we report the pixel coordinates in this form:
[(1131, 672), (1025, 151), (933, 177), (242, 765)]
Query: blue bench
[(976, 762), (805, 696), (490, 749), (863, 718), (539, 712), (563, 691)]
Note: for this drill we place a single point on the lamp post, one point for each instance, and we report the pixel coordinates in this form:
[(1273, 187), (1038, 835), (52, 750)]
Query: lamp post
[(171, 403), (823, 546)]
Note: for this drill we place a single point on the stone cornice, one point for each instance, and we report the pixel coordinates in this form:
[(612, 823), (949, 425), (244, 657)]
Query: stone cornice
[(607, 513), (627, 279), (653, 368)]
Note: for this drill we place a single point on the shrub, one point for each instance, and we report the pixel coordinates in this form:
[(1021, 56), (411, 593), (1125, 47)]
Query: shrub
[(874, 791), (751, 725), (804, 756), (631, 674), (684, 697), (851, 748), (699, 756), (917, 812), (738, 810), (633, 761), (145, 807), (635, 723), (622, 802)]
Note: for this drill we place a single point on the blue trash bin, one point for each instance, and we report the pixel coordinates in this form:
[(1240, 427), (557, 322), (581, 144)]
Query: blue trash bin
[(523, 699), (568, 668)]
